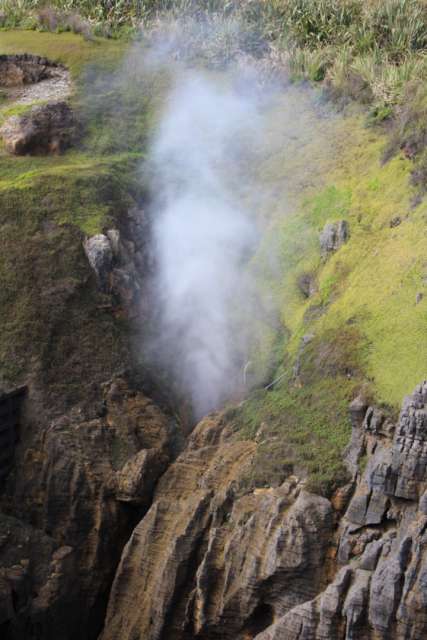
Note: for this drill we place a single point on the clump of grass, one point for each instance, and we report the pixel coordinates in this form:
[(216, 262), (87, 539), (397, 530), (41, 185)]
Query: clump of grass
[(303, 430)]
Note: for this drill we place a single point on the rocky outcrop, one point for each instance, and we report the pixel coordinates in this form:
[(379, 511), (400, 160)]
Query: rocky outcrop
[(118, 258), (99, 253), (333, 236), (25, 69), (379, 591), (80, 484), (209, 562), (48, 128)]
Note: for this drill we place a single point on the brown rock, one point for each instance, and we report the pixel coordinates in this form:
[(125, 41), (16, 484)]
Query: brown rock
[(24, 69), (49, 128), (205, 559)]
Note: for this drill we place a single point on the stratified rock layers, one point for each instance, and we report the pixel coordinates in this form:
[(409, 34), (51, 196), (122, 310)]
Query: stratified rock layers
[(82, 482), (380, 589), (207, 562)]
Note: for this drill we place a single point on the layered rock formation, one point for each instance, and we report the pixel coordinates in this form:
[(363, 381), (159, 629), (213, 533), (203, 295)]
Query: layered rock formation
[(380, 589), (81, 484), (210, 562)]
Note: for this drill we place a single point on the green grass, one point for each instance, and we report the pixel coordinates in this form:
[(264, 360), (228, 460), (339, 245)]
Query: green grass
[(368, 332), (303, 431), (67, 48), (48, 300)]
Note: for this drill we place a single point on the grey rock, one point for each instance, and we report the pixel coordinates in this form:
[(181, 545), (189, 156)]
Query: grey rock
[(355, 449), (423, 503), (333, 236), (114, 237), (100, 256), (354, 608), (371, 554), (331, 603)]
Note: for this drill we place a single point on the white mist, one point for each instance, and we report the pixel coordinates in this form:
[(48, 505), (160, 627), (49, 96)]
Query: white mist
[(203, 236)]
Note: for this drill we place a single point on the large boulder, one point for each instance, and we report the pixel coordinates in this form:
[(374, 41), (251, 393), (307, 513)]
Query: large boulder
[(48, 128)]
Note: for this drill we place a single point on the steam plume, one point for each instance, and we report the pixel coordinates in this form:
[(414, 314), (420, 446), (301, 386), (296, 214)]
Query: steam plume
[(203, 235)]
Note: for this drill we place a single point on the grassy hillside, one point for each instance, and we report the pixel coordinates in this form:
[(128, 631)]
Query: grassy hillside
[(56, 328), (366, 315)]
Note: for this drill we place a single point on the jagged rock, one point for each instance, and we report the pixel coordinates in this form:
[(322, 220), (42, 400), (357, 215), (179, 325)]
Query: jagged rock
[(409, 462), (354, 608), (71, 484), (24, 69), (49, 128), (207, 560), (355, 449), (381, 591), (114, 261), (298, 624), (333, 236), (31, 563), (371, 554), (307, 284)]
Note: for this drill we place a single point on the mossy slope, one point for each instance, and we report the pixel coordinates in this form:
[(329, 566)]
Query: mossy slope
[(58, 331), (366, 317)]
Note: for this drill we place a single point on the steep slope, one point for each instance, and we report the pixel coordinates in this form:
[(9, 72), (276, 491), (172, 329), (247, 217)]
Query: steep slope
[(66, 508), (247, 533)]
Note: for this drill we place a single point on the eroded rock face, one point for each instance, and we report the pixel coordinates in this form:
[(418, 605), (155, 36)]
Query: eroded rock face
[(49, 128), (206, 562), (380, 590), (69, 485)]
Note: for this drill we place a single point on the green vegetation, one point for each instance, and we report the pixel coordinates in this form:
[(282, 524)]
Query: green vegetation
[(56, 326), (366, 312), (67, 48), (364, 308), (48, 305), (301, 429), (364, 49)]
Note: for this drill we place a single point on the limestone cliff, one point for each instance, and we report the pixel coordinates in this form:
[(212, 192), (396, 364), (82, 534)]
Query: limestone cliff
[(209, 562)]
